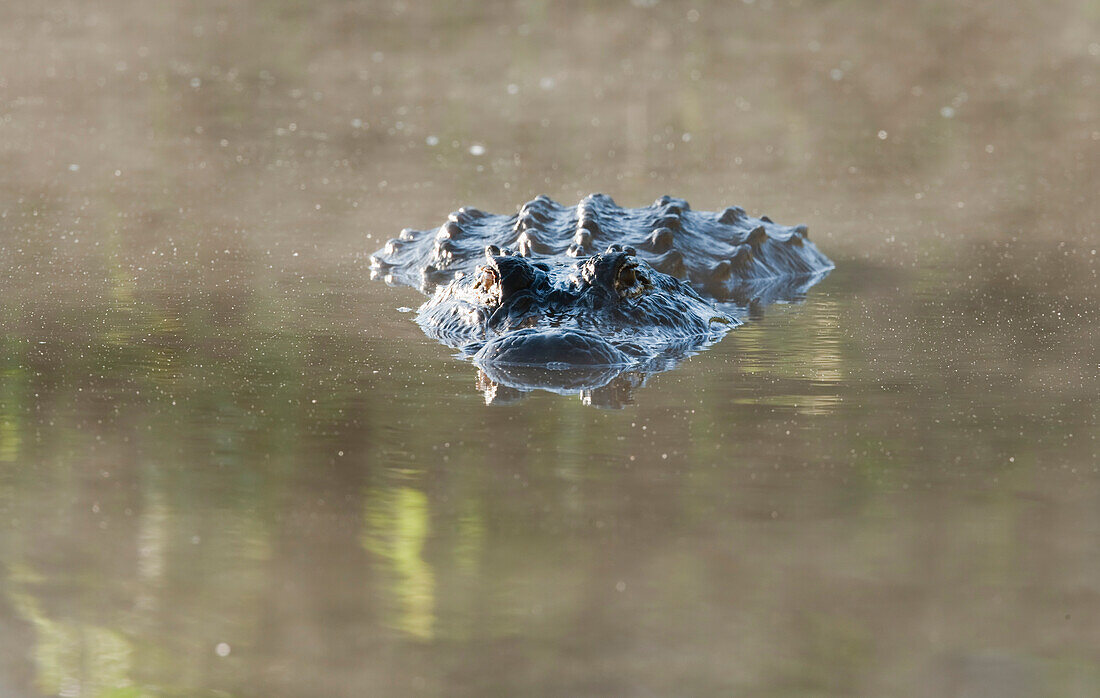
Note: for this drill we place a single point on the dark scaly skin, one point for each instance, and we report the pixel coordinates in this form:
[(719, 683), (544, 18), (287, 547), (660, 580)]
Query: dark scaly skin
[(726, 255)]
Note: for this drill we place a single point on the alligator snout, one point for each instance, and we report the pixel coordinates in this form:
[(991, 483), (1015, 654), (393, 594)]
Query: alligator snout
[(566, 347)]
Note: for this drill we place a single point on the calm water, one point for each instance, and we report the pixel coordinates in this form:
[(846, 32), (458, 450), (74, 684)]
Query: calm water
[(231, 466)]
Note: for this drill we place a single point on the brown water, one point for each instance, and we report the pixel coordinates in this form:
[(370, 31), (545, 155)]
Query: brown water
[(229, 466)]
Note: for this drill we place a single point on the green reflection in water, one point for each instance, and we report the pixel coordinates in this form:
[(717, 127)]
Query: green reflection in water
[(395, 528), (75, 658), (9, 438), (12, 381), (470, 539), (841, 649)]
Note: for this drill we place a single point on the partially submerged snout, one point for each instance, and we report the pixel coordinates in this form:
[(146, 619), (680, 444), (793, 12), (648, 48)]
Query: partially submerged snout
[(567, 347)]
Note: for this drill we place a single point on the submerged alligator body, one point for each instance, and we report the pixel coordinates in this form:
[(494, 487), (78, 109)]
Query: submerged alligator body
[(574, 299)]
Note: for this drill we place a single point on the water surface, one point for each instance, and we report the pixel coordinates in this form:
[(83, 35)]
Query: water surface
[(231, 466)]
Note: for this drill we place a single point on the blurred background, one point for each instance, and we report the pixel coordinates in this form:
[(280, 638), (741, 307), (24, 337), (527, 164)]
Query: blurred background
[(231, 466)]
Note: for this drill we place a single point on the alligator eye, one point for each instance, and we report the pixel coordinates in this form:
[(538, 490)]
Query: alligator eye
[(627, 276), (487, 279), (630, 281)]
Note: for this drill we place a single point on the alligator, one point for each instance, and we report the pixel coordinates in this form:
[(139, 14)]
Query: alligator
[(534, 303)]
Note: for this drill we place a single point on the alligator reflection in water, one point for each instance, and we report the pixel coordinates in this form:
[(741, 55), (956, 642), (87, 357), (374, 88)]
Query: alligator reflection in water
[(555, 315), (609, 387)]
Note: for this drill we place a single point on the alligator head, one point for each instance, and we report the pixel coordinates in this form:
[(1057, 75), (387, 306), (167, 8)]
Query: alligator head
[(611, 309)]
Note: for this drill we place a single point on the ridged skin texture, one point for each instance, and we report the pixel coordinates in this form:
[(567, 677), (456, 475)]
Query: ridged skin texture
[(726, 255)]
